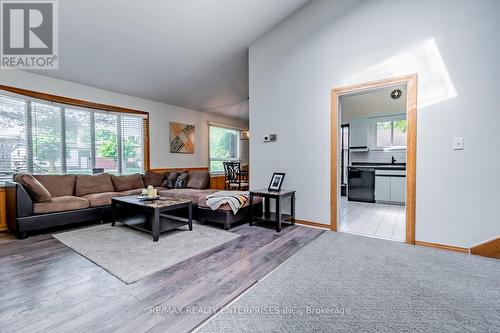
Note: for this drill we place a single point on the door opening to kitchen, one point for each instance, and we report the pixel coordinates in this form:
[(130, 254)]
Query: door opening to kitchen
[(373, 146)]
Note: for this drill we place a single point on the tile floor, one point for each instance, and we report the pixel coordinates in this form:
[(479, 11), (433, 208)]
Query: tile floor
[(373, 219)]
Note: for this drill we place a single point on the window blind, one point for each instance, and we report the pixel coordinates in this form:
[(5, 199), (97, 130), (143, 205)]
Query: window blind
[(132, 144), (53, 138), (13, 145)]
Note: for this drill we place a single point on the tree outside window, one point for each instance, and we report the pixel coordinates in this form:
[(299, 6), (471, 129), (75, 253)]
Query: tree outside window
[(224, 146)]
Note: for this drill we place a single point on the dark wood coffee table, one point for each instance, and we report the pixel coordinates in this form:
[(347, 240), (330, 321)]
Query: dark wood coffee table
[(151, 216)]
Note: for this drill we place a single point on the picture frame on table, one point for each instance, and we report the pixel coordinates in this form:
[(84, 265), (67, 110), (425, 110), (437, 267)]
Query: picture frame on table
[(276, 182)]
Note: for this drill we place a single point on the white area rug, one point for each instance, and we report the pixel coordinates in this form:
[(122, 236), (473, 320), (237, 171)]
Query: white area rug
[(131, 255)]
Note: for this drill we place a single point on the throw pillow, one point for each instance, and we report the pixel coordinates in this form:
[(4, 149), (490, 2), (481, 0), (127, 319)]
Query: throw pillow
[(169, 182), (35, 189), (182, 180)]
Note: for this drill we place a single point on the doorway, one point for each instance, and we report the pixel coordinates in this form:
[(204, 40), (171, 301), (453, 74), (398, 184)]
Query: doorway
[(378, 178)]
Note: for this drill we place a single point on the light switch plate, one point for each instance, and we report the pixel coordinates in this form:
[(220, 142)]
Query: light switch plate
[(271, 138), (458, 143)]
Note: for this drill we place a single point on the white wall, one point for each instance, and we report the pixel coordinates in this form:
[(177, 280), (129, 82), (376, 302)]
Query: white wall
[(372, 104), (160, 115), (452, 45)]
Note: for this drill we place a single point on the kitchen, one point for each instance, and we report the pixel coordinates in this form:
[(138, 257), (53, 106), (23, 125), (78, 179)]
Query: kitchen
[(373, 160)]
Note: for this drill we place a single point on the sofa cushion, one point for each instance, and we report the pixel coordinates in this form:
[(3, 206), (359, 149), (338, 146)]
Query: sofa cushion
[(101, 199), (128, 182), (58, 185), (186, 193), (169, 181), (160, 188), (198, 180), (182, 180), (36, 191), (202, 202), (154, 178), (88, 184), (60, 204), (136, 191)]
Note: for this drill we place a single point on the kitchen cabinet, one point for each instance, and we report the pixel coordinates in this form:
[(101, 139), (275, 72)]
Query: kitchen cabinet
[(398, 189), (358, 128), (390, 186), (382, 188)]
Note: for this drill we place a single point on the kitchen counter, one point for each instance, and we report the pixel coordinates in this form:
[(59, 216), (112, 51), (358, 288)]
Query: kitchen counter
[(378, 166)]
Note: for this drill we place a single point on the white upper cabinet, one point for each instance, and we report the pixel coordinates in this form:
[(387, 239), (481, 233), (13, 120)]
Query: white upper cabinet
[(358, 128)]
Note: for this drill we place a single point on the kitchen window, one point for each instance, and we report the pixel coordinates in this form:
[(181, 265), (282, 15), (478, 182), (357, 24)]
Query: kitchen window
[(224, 146), (390, 133), (42, 137)]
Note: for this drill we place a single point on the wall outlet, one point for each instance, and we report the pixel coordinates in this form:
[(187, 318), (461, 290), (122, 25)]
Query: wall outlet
[(458, 143)]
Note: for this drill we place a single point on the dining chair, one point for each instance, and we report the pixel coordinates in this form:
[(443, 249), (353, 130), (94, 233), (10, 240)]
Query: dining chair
[(234, 178)]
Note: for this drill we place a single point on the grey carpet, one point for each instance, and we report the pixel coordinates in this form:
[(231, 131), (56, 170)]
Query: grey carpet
[(361, 284), (131, 255)]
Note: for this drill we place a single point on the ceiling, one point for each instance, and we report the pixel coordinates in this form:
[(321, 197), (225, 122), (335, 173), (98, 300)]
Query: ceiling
[(373, 103), (192, 54)]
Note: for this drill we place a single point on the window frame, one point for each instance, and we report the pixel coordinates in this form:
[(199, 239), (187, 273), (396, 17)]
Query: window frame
[(210, 159), (64, 103)]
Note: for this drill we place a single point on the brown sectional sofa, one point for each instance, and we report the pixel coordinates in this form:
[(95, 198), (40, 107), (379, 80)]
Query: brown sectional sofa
[(42, 201)]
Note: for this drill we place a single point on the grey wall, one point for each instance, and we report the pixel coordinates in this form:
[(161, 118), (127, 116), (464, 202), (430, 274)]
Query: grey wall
[(160, 115), (452, 45)]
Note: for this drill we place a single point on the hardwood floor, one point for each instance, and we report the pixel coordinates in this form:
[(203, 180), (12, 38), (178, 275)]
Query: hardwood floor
[(46, 286)]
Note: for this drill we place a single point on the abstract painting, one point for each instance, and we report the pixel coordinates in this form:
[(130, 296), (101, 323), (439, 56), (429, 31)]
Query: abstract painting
[(181, 138)]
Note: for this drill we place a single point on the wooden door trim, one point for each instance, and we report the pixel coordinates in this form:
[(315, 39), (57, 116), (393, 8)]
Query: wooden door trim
[(411, 153)]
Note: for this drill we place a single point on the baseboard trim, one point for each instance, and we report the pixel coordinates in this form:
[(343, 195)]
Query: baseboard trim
[(313, 224), (443, 246), (489, 248)]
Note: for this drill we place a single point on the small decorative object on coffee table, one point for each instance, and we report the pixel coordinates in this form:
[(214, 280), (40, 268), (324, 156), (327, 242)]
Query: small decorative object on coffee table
[(148, 194), (151, 216), (267, 216)]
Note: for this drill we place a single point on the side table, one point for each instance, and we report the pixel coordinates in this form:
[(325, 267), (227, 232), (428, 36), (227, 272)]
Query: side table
[(267, 216)]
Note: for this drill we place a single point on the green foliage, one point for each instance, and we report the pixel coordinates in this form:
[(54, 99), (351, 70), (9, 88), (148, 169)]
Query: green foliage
[(109, 145), (400, 125), (222, 142), (47, 147)]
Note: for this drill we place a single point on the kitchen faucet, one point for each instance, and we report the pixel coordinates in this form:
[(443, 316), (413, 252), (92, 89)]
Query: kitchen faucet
[(393, 160)]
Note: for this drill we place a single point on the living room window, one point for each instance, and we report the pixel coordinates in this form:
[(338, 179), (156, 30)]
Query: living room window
[(42, 137), (224, 146)]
